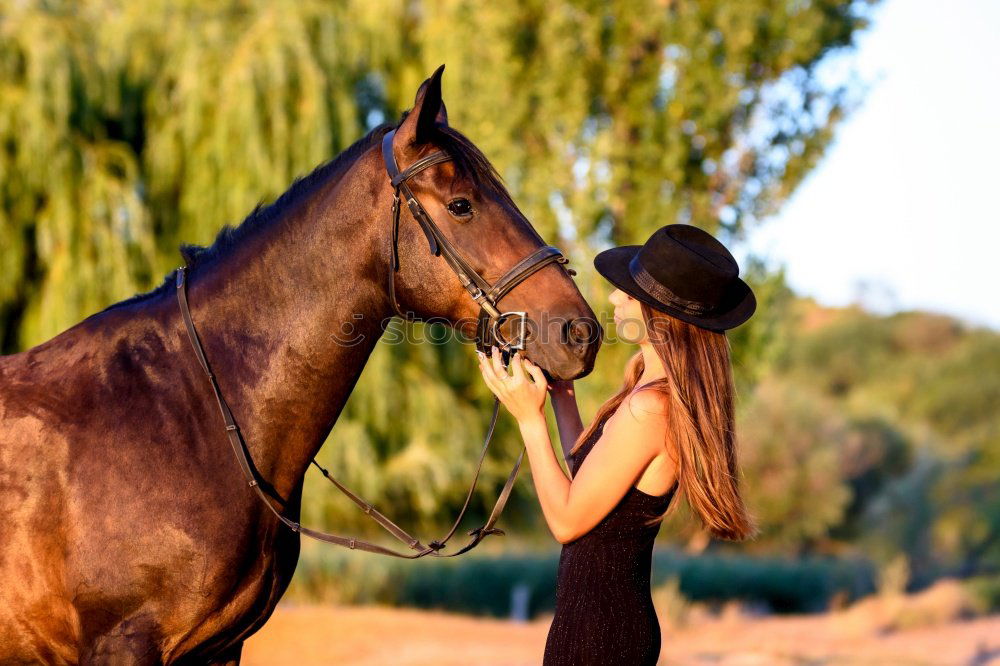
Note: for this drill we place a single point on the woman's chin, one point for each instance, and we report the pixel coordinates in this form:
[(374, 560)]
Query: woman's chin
[(629, 331)]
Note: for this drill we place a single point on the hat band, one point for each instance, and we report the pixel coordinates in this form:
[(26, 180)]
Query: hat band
[(661, 293)]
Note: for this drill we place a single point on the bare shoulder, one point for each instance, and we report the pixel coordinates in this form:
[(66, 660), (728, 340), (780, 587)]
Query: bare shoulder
[(641, 419), (645, 406)]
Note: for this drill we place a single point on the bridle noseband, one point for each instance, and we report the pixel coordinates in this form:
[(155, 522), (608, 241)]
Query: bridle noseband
[(487, 296), (487, 334)]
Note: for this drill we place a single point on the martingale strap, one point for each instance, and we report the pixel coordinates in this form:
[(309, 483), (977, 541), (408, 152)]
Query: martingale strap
[(250, 474)]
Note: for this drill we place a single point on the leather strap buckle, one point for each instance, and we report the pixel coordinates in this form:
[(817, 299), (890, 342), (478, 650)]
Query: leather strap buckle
[(519, 341)]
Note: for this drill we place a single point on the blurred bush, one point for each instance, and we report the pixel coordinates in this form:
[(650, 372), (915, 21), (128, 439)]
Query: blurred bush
[(482, 584)]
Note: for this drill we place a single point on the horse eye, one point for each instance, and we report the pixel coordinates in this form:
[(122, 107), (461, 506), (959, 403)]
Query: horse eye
[(460, 207)]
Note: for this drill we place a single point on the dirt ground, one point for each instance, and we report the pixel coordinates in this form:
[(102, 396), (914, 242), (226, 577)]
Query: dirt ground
[(376, 636)]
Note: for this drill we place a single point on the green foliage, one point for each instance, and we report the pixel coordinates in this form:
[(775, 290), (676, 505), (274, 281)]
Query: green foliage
[(805, 584), (75, 234), (757, 347), (482, 584), (479, 583), (894, 576), (922, 391), (986, 591), (393, 445), (130, 127), (962, 410), (126, 128), (790, 442), (872, 455)]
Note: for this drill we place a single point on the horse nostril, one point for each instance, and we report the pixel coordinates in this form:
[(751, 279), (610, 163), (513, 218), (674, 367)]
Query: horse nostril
[(581, 331)]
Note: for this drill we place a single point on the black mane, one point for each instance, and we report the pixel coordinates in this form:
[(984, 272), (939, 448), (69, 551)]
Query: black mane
[(468, 159)]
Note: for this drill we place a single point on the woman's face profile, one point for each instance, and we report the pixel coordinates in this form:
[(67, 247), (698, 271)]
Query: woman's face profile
[(628, 317)]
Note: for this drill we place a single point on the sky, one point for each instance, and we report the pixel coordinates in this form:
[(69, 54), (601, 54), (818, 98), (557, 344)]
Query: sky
[(904, 210)]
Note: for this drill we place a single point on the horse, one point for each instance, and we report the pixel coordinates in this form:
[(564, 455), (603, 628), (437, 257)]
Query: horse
[(129, 535)]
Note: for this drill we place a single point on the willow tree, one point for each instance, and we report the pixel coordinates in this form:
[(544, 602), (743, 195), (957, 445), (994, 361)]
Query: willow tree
[(126, 128)]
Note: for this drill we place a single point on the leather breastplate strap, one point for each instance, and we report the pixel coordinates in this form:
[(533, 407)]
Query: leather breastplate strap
[(250, 475)]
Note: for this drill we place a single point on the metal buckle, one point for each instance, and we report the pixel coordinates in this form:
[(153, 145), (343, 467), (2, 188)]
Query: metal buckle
[(502, 342)]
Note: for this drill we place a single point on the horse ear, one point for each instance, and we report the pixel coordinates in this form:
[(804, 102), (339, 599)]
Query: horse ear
[(427, 114)]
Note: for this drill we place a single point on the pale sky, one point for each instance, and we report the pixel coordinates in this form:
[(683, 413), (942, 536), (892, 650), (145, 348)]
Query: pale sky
[(907, 200)]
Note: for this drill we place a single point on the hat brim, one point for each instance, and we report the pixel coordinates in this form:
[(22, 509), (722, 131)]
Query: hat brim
[(737, 308)]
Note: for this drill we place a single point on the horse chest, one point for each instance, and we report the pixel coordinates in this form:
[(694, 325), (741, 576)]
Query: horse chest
[(235, 605)]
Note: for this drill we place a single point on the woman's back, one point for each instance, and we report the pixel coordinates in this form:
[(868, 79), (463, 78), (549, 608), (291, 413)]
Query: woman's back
[(604, 613)]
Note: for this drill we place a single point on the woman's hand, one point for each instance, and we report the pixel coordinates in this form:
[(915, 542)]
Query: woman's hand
[(522, 392)]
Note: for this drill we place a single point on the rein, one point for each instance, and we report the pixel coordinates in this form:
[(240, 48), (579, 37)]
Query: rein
[(252, 479), (488, 333)]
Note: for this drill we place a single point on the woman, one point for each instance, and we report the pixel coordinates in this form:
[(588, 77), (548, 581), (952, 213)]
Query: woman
[(669, 428)]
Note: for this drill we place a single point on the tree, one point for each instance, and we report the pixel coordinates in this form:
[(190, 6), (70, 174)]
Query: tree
[(126, 128)]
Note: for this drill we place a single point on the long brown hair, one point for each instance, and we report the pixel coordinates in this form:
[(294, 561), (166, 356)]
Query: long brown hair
[(698, 391)]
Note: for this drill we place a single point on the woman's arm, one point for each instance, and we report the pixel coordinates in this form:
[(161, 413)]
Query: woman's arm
[(567, 414), (629, 442)]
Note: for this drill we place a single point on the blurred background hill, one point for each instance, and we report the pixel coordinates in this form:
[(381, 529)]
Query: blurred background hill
[(870, 441)]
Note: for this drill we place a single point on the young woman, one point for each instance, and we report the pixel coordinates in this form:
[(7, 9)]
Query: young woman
[(669, 429)]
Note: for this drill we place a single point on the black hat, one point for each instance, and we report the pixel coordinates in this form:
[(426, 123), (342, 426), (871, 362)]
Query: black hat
[(683, 272)]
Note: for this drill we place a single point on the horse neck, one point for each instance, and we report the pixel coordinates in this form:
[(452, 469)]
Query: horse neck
[(289, 317)]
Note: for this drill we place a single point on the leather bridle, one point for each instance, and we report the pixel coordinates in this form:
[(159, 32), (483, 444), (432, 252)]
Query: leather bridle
[(485, 295), (488, 333)]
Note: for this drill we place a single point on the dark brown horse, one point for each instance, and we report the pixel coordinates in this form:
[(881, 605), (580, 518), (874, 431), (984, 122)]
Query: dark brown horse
[(128, 533)]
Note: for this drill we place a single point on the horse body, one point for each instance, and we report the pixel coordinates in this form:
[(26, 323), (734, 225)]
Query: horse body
[(115, 525), (129, 534), (113, 522)]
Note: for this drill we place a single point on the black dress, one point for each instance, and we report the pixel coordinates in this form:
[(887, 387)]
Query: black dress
[(604, 613)]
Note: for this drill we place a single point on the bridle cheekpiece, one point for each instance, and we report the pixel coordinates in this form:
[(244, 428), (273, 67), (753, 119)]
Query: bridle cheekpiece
[(487, 296)]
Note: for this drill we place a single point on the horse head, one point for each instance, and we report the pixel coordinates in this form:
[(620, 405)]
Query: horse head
[(455, 206)]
